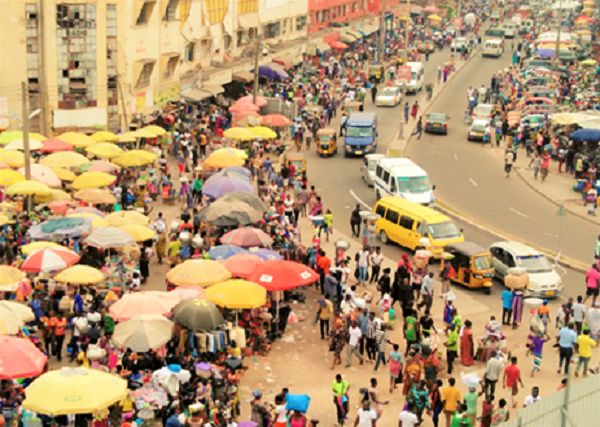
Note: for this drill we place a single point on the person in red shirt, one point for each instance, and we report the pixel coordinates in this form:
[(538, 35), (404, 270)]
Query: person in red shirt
[(512, 379), (591, 281), (59, 323), (323, 264)]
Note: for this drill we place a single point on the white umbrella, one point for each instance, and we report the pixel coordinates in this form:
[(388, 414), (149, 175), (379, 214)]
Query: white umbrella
[(43, 174), (143, 333)]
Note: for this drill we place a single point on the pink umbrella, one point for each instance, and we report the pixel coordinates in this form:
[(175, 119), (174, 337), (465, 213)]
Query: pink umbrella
[(61, 207), (243, 106), (186, 292), (150, 302), (242, 265), (247, 237), (20, 358), (249, 99), (53, 144), (4, 166), (431, 9)]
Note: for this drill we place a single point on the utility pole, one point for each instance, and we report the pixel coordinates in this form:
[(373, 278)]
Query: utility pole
[(256, 64), (406, 33), (381, 35), (557, 47), (305, 65), (42, 80), (26, 151)]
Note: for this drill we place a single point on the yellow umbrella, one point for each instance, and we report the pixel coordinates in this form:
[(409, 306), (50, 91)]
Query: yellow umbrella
[(239, 153), (93, 180), (63, 159), (64, 174), (135, 158), (95, 195), (34, 246), (104, 136), (13, 135), (223, 160), (105, 150), (54, 196), (587, 11), (143, 133), (96, 220), (198, 272), (18, 144), (13, 158), (240, 134), (74, 391), (9, 277), (434, 18), (138, 232), (76, 139), (588, 3), (155, 129), (583, 32), (263, 131), (29, 187), (10, 177), (121, 218), (127, 137), (237, 293), (80, 274), (5, 220)]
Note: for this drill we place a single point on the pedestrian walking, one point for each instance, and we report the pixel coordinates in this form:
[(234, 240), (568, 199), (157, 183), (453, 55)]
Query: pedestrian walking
[(493, 367), (535, 162), (355, 335), (508, 161), (451, 345), (450, 399), (415, 110), (512, 379), (566, 340), (507, 304), (376, 258), (584, 348), (536, 346), (365, 416), (373, 93), (419, 129), (426, 292), (324, 312), (579, 314), (406, 112), (340, 389), (592, 276), (355, 221)]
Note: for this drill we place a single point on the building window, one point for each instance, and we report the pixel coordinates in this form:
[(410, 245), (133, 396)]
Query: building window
[(145, 12), (204, 51), (227, 41), (355, 6), (216, 10), (325, 16), (189, 52), (145, 75), (301, 23), (33, 63), (171, 11), (247, 6), (284, 25), (273, 29), (76, 56), (170, 67), (317, 17)]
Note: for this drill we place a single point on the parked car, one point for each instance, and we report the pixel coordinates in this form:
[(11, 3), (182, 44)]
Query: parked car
[(389, 96), (436, 123), (478, 130), (458, 43), (483, 112)]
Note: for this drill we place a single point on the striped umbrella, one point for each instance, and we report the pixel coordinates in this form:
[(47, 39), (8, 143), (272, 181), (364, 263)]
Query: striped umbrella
[(88, 210), (50, 259), (109, 237)]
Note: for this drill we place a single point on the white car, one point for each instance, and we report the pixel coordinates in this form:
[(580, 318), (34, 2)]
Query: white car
[(458, 43), (478, 130), (389, 96), (544, 281), (483, 112)]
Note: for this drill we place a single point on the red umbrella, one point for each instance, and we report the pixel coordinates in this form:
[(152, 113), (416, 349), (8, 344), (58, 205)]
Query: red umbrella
[(54, 144), (50, 259), (276, 120), (280, 275), (243, 106), (19, 358), (247, 237), (249, 99), (338, 45), (242, 265)]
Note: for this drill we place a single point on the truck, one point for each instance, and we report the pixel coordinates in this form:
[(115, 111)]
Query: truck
[(361, 134)]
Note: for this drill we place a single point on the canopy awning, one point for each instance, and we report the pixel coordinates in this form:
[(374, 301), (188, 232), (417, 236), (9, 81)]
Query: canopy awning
[(367, 30), (348, 38), (286, 62), (248, 20), (196, 95), (357, 35), (243, 76), (212, 90)]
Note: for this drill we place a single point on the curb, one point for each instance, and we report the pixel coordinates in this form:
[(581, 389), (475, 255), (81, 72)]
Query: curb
[(545, 196)]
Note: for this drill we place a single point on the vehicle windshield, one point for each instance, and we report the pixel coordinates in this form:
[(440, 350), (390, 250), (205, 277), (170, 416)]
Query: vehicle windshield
[(482, 262), (298, 165), (436, 118), (478, 128), (484, 111), (534, 263), (413, 76), (388, 91), (372, 165), (325, 138), (413, 184), (444, 230), (362, 132)]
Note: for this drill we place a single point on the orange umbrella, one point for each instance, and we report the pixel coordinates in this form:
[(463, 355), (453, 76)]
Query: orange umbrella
[(338, 45)]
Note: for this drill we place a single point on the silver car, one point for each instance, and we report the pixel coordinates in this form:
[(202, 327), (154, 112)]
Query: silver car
[(368, 167)]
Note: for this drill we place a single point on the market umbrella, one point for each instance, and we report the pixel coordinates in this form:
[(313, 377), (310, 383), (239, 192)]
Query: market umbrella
[(263, 132), (19, 144), (589, 62), (280, 275), (50, 259), (64, 159), (337, 45), (266, 254), (143, 133), (109, 237), (9, 278), (222, 252), (127, 137), (237, 293), (34, 246), (22, 311), (431, 9), (243, 107), (143, 333), (65, 226), (54, 196), (242, 264), (198, 314), (276, 120), (215, 188), (139, 232), (74, 391), (117, 219), (272, 71), (230, 213), (76, 139), (239, 134), (260, 101), (99, 166), (143, 303), (93, 180), (157, 130), (61, 207), (54, 144), (5, 220), (229, 174), (20, 358), (13, 158), (96, 221), (247, 118), (104, 136), (434, 18), (236, 152), (247, 237), (105, 150), (198, 272), (239, 170), (135, 158), (80, 274), (220, 160), (544, 53), (28, 187), (10, 136), (64, 174), (10, 177), (43, 174), (95, 196), (89, 210), (185, 292), (585, 135)]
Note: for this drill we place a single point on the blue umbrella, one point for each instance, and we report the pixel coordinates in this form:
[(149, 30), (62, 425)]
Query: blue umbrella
[(545, 53), (229, 174), (272, 72), (57, 227), (225, 251), (237, 169), (215, 188), (266, 254), (585, 135)]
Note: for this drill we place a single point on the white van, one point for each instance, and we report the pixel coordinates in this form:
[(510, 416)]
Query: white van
[(417, 77), (403, 178), (511, 29), (493, 48)]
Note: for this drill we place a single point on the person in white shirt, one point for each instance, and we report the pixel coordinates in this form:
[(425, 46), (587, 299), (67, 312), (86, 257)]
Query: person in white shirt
[(533, 397), (365, 416), (578, 314), (350, 291), (280, 412), (362, 259), (354, 344), (347, 305), (376, 258), (408, 418), (93, 317)]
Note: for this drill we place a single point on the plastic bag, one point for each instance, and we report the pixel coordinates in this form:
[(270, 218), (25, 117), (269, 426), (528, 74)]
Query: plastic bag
[(471, 379), (537, 325)]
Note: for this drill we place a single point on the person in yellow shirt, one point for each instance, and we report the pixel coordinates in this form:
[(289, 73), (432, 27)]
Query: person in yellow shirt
[(450, 399), (235, 350), (82, 358), (324, 313), (584, 345), (127, 406)]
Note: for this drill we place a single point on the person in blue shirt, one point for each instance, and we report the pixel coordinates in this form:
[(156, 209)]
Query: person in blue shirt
[(267, 165), (507, 301), (173, 420), (566, 340)]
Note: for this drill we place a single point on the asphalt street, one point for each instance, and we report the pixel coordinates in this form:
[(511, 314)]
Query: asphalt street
[(467, 176)]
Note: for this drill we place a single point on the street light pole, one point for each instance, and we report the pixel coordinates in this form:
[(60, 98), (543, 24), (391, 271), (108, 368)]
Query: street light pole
[(256, 65)]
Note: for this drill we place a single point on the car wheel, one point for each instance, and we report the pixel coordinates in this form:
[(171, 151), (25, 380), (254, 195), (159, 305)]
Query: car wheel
[(346, 154), (487, 291), (383, 237)]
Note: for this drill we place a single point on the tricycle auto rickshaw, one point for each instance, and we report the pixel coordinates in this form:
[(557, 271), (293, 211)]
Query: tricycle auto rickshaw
[(352, 107), (472, 265), (297, 159), (326, 142)]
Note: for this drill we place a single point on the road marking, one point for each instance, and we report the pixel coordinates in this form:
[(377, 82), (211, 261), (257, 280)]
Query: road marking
[(455, 156), (518, 213), (473, 182), (360, 201)]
